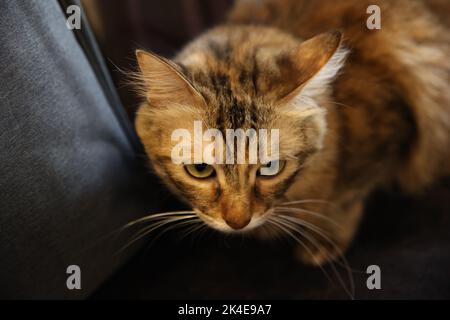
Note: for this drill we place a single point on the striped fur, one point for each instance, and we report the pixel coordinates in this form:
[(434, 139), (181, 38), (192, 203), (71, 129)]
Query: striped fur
[(354, 114)]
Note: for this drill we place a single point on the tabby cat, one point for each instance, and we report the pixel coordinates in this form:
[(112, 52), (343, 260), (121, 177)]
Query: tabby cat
[(357, 109)]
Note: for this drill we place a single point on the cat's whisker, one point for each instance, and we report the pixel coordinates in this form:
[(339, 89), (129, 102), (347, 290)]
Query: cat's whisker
[(339, 103), (194, 220), (311, 226), (301, 232), (308, 201), (147, 218), (325, 236), (311, 213), (165, 221), (274, 228), (290, 224), (314, 228), (148, 229), (122, 71), (157, 215), (194, 228), (203, 231), (276, 223)]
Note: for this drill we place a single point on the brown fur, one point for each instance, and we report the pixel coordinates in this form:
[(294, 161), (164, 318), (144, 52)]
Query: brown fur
[(385, 118)]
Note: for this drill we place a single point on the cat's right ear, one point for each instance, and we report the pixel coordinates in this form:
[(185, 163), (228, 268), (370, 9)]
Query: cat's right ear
[(163, 83), (312, 66)]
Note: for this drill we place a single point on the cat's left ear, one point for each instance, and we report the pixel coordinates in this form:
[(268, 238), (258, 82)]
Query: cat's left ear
[(313, 65), (163, 82)]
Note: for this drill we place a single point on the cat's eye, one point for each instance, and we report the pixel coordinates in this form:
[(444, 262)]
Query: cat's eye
[(200, 171), (271, 168)]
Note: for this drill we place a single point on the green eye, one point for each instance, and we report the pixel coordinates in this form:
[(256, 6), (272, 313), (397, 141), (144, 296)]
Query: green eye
[(200, 171), (271, 168)]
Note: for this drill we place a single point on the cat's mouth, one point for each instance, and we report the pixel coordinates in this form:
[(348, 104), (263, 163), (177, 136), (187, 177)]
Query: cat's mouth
[(221, 225)]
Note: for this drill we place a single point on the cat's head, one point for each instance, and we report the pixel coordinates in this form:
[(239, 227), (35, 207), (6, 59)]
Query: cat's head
[(237, 78)]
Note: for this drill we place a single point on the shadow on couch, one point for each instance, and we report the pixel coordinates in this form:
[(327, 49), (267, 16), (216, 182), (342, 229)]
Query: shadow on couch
[(408, 238)]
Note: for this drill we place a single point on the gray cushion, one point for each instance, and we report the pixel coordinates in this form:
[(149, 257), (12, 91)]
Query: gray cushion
[(68, 174)]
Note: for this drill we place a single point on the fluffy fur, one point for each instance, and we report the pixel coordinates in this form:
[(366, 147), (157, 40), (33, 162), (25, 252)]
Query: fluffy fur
[(355, 112)]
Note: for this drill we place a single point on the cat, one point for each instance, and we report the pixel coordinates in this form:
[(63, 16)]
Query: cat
[(357, 109)]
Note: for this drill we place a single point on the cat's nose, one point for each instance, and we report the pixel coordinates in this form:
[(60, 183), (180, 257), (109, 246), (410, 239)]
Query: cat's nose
[(237, 223), (236, 214)]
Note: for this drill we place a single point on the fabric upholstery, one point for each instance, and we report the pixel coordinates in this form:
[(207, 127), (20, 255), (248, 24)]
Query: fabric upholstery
[(68, 172)]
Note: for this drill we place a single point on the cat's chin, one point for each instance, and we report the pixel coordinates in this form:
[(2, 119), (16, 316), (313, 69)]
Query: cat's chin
[(222, 226)]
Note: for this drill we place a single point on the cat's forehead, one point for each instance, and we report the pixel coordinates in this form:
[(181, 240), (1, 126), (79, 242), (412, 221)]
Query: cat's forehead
[(232, 73), (222, 76), (231, 101)]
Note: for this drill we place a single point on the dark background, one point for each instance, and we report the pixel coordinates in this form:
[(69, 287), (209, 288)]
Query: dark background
[(408, 237), (161, 26), (164, 27)]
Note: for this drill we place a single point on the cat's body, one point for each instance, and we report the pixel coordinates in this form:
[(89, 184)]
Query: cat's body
[(376, 115)]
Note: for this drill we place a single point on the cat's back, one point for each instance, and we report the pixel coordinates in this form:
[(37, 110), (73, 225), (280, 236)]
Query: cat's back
[(396, 79), (306, 18)]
